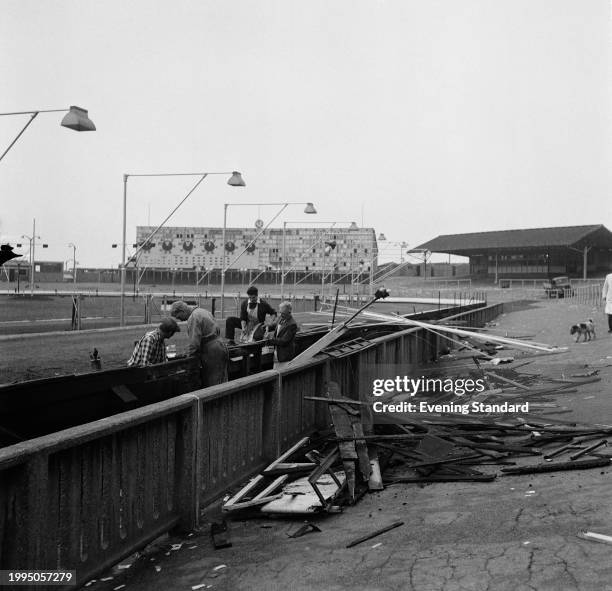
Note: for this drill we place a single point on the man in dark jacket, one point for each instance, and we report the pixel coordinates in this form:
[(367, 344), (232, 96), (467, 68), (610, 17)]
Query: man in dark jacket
[(283, 334), (253, 312)]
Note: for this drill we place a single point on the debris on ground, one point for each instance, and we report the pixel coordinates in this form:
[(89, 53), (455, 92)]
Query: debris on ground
[(335, 468)]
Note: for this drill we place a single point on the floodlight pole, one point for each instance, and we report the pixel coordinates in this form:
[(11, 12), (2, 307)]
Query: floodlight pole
[(310, 209), (73, 246), (234, 181), (32, 240), (77, 119)]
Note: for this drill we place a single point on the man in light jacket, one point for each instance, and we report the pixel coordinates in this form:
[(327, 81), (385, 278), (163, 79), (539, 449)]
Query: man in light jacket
[(204, 342), (606, 294), (282, 335)]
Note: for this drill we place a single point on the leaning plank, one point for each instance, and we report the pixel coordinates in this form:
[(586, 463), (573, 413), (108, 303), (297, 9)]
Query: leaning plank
[(362, 449), (287, 454), (272, 486), (293, 468), (464, 333), (552, 467), (335, 333), (343, 428), (243, 491), (252, 503)]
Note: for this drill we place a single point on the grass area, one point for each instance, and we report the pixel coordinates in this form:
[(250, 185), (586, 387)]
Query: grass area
[(28, 357)]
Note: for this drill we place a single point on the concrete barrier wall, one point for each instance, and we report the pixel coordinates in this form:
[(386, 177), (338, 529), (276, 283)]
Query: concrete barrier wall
[(84, 498)]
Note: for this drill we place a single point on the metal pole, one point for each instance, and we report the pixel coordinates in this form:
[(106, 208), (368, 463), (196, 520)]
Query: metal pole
[(33, 247), (223, 258), (122, 294), (323, 270), (19, 135), (74, 265), (282, 289)]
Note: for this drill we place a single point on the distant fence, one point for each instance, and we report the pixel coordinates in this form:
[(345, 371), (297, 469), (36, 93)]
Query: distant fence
[(84, 498)]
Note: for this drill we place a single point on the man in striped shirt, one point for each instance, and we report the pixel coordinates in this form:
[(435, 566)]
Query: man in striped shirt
[(151, 348)]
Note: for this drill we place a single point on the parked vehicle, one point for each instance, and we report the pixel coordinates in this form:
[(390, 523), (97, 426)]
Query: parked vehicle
[(558, 287)]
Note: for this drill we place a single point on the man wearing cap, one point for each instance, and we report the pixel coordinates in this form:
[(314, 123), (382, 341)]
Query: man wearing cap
[(151, 348), (204, 342), (253, 312)]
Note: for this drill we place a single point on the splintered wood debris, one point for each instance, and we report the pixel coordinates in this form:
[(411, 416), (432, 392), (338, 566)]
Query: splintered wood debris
[(322, 473)]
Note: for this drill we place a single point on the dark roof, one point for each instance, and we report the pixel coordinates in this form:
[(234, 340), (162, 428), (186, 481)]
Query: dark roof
[(596, 235)]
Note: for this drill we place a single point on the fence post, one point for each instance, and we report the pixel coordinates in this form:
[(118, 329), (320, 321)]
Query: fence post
[(271, 423), (187, 467), (36, 538)]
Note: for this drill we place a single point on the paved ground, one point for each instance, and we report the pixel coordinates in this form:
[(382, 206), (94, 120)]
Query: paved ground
[(457, 536)]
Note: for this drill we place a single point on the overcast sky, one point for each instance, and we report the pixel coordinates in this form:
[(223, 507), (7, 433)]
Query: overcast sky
[(426, 116)]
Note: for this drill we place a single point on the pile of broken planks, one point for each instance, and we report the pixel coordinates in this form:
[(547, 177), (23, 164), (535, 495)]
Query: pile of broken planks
[(332, 469), (317, 475)]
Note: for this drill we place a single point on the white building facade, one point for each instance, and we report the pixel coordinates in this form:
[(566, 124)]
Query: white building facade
[(312, 250)]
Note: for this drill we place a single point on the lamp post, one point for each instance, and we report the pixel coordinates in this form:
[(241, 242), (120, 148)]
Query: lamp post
[(284, 247), (309, 209), (234, 181), (76, 119), (32, 240), (74, 261), (402, 245)]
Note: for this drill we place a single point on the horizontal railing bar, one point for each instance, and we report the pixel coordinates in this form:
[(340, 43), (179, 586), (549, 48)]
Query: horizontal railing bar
[(47, 444), (221, 390)]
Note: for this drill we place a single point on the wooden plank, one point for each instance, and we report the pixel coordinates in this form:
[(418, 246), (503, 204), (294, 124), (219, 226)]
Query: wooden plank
[(281, 459), (337, 400), (294, 468), (374, 534), (362, 449), (552, 467), (299, 497), (595, 537), (272, 486), (251, 504), (443, 478), (244, 491), (506, 380), (343, 428)]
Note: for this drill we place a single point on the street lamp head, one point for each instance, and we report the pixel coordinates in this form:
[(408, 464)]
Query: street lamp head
[(77, 119), (310, 208), (236, 180)]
